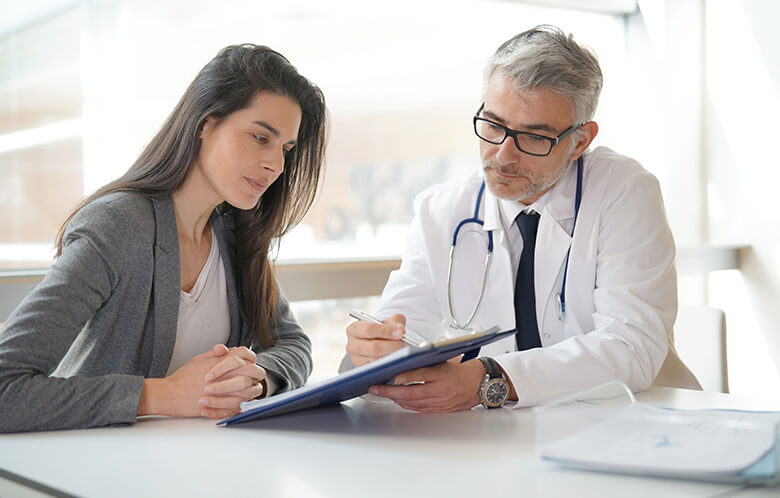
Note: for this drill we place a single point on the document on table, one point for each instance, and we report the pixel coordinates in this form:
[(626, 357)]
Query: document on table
[(720, 445)]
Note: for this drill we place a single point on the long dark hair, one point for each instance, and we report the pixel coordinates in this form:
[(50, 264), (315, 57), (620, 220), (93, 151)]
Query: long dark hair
[(225, 85)]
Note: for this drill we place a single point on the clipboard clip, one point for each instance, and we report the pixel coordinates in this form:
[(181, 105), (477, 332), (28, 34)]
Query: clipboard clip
[(473, 353), (470, 355)]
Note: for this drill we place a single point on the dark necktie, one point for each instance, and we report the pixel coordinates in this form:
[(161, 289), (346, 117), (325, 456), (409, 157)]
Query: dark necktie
[(525, 298)]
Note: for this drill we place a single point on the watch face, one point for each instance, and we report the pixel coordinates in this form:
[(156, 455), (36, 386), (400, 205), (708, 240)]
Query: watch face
[(496, 392)]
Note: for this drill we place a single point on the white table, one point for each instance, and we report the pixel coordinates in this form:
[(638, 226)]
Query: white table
[(355, 449)]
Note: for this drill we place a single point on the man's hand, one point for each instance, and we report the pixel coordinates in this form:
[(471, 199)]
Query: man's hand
[(367, 342), (447, 387)]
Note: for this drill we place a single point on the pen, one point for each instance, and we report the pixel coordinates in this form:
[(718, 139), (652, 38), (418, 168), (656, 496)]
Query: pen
[(409, 337)]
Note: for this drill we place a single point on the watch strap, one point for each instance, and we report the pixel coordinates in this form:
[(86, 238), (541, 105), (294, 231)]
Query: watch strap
[(491, 367)]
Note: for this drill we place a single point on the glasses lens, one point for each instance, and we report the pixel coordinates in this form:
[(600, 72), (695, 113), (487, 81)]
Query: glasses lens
[(534, 144), (528, 143), (489, 132)]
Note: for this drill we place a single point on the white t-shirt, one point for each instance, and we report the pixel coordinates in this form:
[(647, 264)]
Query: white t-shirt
[(204, 315)]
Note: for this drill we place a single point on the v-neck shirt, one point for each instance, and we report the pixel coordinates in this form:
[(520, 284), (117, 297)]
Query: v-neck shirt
[(204, 315)]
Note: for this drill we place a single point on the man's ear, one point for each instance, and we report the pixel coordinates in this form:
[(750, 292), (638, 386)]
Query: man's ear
[(589, 131)]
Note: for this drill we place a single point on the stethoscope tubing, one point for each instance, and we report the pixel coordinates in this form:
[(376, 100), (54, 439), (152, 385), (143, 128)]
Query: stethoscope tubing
[(561, 297), (577, 202), (473, 219)]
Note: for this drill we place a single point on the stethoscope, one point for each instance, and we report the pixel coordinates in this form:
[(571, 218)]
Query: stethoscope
[(561, 297)]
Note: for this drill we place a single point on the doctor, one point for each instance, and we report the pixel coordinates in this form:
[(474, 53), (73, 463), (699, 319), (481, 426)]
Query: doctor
[(569, 246)]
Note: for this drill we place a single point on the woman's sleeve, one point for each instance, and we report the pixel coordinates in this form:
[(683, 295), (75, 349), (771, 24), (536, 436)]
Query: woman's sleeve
[(288, 361), (42, 329)]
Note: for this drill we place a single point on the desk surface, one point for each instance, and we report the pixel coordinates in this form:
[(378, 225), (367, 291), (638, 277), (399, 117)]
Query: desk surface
[(354, 449)]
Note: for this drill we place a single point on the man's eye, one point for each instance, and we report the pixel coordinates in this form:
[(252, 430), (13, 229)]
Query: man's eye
[(537, 138), (494, 126)]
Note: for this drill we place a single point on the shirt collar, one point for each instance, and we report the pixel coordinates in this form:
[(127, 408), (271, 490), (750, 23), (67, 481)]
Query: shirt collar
[(509, 210)]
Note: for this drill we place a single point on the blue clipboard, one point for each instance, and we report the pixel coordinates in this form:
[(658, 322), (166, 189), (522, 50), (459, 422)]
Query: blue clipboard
[(355, 382)]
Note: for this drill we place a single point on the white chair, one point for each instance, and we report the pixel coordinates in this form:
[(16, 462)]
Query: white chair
[(700, 340)]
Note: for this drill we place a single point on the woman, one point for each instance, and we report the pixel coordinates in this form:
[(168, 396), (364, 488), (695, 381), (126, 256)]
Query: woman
[(162, 287)]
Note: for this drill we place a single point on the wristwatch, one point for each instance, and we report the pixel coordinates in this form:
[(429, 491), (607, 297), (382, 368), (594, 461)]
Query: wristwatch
[(494, 390)]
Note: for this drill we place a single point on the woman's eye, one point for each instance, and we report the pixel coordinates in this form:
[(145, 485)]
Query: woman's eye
[(260, 139)]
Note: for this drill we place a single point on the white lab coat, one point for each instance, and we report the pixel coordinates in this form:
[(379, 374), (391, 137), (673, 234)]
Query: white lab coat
[(621, 289)]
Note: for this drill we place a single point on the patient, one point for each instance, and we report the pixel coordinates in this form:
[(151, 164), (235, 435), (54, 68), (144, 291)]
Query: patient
[(162, 299)]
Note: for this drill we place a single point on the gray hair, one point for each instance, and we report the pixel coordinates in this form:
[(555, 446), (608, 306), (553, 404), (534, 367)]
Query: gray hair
[(545, 57)]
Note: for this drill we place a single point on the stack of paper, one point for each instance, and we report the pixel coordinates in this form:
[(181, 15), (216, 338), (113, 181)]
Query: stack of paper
[(714, 445)]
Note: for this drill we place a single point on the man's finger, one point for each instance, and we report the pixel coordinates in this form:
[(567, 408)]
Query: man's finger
[(421, 406), (425, 374), (433, 373), (376, 348), (415, 392), (391, 331), (397, 319), (359, 361)]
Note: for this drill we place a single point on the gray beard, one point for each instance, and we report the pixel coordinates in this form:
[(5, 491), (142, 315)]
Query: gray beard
[(535, 185)]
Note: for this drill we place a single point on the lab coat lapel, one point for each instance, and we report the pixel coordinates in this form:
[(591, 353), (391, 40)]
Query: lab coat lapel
[(552, 244), (553, 241), (166, 285), (498, 302)]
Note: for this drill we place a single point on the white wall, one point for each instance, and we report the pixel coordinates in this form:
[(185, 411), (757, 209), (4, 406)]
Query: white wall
[(704, 87), (664, 90), (741, 131)]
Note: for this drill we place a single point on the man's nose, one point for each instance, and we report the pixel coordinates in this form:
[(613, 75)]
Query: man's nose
[(507, 151)]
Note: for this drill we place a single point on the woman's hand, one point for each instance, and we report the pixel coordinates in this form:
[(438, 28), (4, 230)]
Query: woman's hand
[(178, 394), (234, 379)]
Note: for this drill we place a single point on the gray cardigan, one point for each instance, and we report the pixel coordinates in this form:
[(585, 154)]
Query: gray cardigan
[(75, 352)]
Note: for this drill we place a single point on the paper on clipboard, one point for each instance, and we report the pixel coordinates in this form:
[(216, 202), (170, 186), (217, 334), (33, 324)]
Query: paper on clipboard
[(355, 382)]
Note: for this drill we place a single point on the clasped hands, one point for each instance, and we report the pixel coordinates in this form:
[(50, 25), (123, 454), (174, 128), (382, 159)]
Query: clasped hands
[(212, 384), (235, 378)]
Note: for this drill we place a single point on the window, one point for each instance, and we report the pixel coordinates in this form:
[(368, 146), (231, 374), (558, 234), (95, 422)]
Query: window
[(87, 88)]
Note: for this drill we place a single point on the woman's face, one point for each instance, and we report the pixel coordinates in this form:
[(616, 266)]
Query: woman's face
[(242, 154)]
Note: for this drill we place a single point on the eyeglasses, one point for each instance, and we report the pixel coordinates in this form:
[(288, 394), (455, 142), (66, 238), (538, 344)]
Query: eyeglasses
[(530, 143)]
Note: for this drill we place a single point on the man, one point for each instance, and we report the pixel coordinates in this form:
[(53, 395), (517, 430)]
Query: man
[(586, 277)]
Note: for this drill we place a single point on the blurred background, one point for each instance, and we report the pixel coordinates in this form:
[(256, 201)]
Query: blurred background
[(691, 90)]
